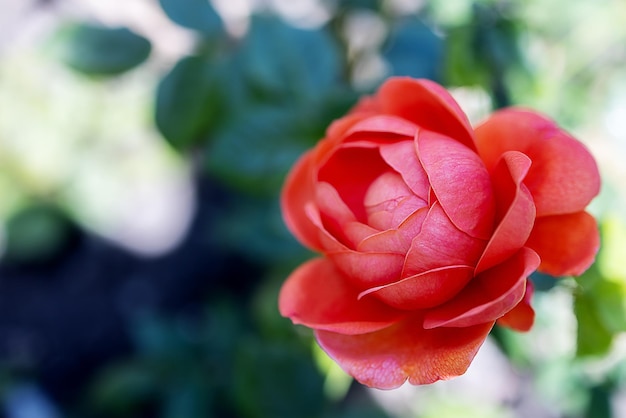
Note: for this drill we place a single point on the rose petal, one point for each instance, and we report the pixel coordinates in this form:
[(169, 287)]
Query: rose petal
[(440, 244), (567, 244), (366, 270), (426, 104), (390, 194), (460, 181), (351, 171), (423, 290), (385, 359), (396, 240), (522, 317), (564, 176), (489, 295), (402, 157), (297, 192), (318, 296), (385, 125), (335, 214), (515, 210)]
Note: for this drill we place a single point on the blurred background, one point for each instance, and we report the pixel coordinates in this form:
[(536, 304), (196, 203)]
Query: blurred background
[(143, 144)]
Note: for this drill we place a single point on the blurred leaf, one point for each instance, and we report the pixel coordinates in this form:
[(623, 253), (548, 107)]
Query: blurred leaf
[(36, 233), (593, 338), (188, 102), (258, 149), (282, 61), (278, 381), (188, 399), (121, 389), (600, 402), (414, 50), (198, 15), (99, 50)]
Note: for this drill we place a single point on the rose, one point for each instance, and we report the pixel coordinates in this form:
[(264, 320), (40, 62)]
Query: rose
[(429, 230)]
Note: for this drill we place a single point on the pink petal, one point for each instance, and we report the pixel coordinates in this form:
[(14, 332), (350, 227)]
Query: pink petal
[(515, 210), (351, 171), (564, 176), (426, 104), (316, 295), (297, 192), (489, 295), (440, 244), (522, 317), (460, 181), (567, 244), (366, 270), (387, 358), (402, 157), (396, 240), (390, 194), (385, 125), (335, 214), (423, 290)]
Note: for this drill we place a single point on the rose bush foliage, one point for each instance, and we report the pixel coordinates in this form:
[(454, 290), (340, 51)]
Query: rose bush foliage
[(429, 229)]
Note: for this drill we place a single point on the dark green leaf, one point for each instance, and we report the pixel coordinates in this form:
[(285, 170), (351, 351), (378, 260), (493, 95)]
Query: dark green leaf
[(188, 102), (121, 389), (278, 381), (258, 149), (414, 50), (98, 50), (36, 234), (198, 15), (593, 338), (285, 62)]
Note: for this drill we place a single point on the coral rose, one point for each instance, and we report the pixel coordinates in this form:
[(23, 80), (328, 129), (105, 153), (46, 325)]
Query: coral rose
[(429, 230)]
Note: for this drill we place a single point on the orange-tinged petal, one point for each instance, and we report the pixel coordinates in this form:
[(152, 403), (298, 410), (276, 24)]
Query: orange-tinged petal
[(515, 210), (460, 181), (387, 358), (564, 176), (426, 104), (489, 295), (402, 157), (351, 171), (440, 244), (366, 270), (396, 240), (522, 317), (318, 296), (567, 244), (423, 290), (297, 192), (383, 125)]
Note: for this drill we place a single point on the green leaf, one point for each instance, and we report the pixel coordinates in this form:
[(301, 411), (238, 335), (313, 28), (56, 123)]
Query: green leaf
[(281, 61), (122, 389), (593, 338), (99, 50), (188, 102), (198, 15), (414, 50), (276, 380), (256, 151), (36, 234)]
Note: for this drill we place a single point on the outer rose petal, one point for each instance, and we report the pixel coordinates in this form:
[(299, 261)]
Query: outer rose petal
[(426, 104), (489, 295), (564, 176), (386, 359), (515, 210), (297, 192), (318, 296), (460, 182), (567, 244), (521, 317), (423, 290)]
